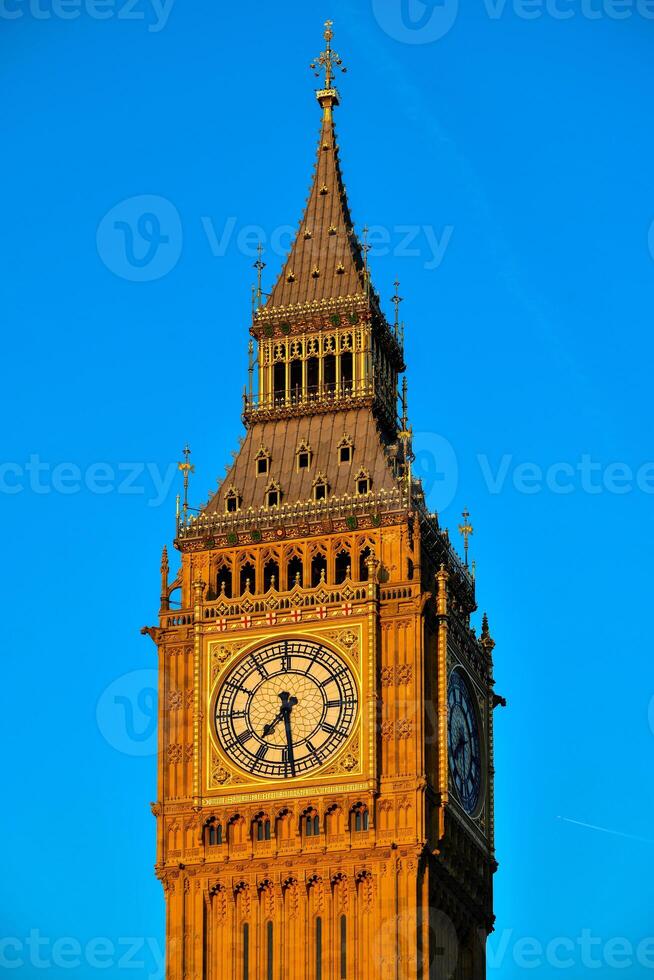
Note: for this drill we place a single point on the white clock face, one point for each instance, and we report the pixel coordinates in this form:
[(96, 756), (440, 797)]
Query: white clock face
[(286, 708)]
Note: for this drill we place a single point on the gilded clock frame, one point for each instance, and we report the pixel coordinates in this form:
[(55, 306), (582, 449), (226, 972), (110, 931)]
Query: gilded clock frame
[(352, 765)]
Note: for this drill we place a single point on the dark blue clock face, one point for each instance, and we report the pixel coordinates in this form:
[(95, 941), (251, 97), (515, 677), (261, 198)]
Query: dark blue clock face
[(463, 742)]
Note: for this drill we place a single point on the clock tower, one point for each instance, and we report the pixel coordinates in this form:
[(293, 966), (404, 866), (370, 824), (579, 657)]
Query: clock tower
[(325, 769)]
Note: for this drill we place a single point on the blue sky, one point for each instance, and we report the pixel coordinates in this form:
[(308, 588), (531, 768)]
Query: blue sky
[(502, 155)]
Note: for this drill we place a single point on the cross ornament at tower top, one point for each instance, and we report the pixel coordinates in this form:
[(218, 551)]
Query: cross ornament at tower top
[(328, 60)]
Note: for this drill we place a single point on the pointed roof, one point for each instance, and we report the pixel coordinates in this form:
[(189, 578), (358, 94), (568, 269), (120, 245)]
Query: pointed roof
[(325, 261)]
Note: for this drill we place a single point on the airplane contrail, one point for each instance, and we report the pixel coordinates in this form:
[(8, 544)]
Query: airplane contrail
[(606, 830)]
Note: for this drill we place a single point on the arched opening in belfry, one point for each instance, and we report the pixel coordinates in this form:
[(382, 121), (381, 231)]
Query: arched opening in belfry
[(364, 555), (279, 382), (329, 372), (224, 582), (318, 570), (270, 575), (312, 376), (296, 380), (247, 578), (346, 372), (295, 572), (342, 566)]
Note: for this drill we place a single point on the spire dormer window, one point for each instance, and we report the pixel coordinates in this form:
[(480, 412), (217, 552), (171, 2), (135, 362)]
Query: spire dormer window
[(363, 482), (345, 450), (232, 500), (262, 461), (303, 455), (273, 494), (320, 488)]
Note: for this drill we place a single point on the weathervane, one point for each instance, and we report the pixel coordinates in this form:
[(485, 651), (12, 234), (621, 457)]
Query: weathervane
[(186, 468), (328, 60), (466, 530)]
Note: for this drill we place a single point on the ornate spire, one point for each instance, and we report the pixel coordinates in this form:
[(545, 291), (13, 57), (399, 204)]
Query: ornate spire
[(328, 61), (326, 262)]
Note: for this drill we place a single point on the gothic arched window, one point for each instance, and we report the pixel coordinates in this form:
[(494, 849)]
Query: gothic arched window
[(364, 555), (318, 570), (224, 582), (295, 572), (360, 817), (311, 824), (247, 577), (262, 828), (342, 568), (270, 575)]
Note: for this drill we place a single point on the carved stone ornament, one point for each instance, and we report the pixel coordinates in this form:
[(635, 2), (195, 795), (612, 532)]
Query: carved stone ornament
[(174, 700), (220, 653), (220, 775), (404, 728)]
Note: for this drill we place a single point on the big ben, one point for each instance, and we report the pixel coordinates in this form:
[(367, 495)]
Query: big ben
[(325, 764)]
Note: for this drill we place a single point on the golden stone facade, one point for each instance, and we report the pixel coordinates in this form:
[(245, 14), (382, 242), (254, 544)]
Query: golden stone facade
[(325, 800)]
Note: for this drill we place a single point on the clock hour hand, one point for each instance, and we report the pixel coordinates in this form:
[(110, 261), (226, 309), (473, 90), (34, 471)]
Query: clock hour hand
[(269, 729)]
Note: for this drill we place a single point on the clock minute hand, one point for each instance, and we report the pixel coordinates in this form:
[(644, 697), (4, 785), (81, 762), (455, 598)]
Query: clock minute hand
[(288, 703)]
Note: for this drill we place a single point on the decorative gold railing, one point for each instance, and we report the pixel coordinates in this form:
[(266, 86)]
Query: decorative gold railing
[(266, 518)]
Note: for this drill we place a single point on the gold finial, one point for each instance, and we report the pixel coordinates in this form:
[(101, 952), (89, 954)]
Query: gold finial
[(328, 60), (250, 369), (405, 418), (259, 265), (396, 300), (466, 530), (186, 468), (365, 248)]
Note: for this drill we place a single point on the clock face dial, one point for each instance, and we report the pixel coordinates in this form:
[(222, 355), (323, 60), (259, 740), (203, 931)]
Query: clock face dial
[(286, 708), (464, 742)]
